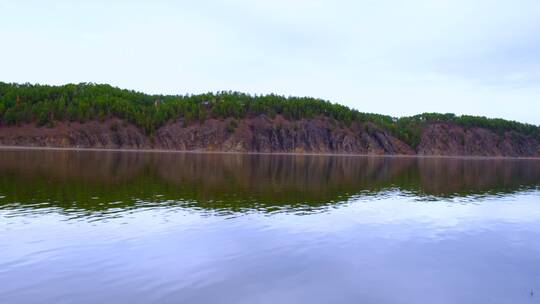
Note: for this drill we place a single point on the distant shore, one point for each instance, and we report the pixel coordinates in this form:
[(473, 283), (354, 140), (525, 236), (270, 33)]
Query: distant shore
[(259, 153), (102, 116)]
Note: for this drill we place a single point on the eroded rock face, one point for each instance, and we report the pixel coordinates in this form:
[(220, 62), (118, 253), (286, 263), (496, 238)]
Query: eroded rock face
[(274, 135), (262, 134), (448, 139), (112, 133)]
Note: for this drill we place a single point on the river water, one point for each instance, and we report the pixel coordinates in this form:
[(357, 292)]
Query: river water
[(126, 227)]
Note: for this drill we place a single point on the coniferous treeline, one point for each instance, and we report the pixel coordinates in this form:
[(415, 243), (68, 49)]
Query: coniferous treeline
[(45, 104)]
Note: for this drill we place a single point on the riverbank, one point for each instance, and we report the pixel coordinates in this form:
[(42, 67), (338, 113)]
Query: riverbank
[(262, 134), (260, 153)]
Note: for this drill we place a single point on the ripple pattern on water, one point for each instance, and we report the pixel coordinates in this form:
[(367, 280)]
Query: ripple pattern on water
[(81, 227)]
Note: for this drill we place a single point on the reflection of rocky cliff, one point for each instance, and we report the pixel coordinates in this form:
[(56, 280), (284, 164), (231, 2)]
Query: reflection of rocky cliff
[(100, 180)]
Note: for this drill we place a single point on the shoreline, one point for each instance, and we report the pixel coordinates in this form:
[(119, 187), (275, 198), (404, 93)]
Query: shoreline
[(30, 148)]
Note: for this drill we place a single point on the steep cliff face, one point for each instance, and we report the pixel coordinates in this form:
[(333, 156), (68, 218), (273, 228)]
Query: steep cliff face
[(450, 139), (263, 134), (112, 133)]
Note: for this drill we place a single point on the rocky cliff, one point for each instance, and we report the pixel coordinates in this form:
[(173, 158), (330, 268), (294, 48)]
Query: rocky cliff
[(264, 134)]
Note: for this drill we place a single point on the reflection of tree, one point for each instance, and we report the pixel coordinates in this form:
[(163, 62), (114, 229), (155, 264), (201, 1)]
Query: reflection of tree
[(451, 176), (103, 180)]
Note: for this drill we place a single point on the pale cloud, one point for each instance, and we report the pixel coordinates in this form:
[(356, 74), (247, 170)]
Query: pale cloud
[(392, 57)]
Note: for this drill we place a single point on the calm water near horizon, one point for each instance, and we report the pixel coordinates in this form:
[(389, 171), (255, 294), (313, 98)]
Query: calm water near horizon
[(126, 227)]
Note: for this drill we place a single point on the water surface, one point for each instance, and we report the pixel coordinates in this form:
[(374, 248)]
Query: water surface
[(126, 227)]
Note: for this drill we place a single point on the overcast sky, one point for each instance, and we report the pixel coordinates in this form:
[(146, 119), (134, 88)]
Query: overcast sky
[(391, 57)]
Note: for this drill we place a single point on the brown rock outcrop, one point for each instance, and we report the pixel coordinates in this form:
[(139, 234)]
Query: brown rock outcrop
[(273, 135)]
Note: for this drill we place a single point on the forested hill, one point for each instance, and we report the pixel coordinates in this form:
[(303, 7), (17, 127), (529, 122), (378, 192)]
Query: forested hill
[(45, 106)]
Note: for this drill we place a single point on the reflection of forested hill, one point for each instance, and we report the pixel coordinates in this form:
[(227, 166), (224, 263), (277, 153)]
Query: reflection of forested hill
[(102, 180)]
